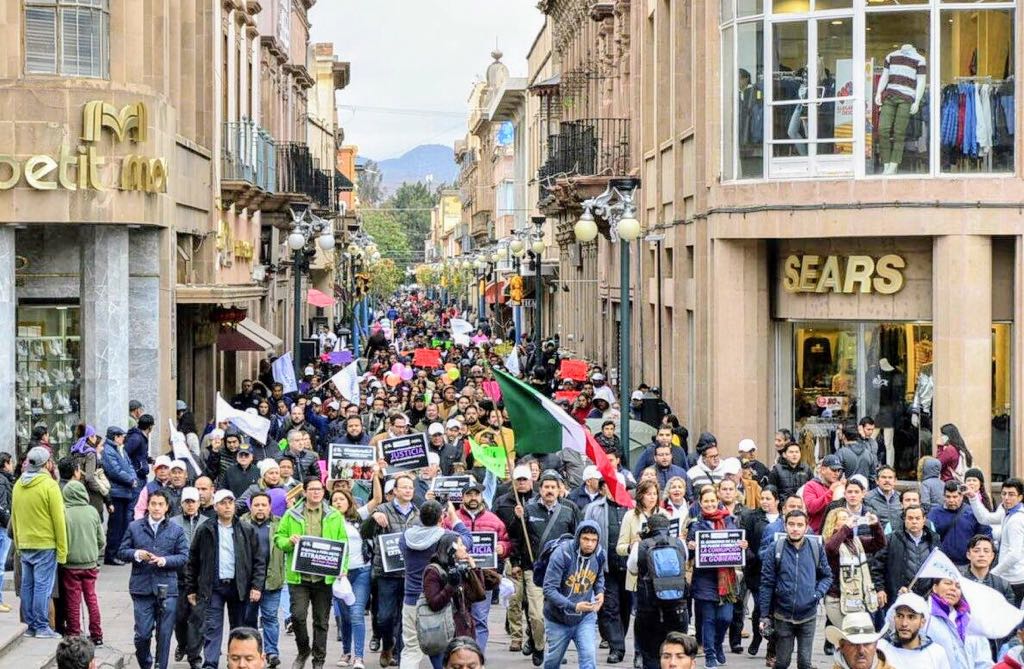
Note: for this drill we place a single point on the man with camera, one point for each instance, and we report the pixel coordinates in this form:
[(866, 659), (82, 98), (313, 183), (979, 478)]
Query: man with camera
[(157, 549)]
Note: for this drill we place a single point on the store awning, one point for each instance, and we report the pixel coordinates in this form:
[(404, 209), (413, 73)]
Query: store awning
[(247, 335), (318, 298), (495, 293)]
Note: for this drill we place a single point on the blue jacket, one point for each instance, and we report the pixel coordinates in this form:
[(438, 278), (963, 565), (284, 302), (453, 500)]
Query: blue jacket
[(646, 459), (418, 545), (785, 589), (668, 473), (704, 584), (955, 529), (136, 446), (572, 577), (169, 542), (120, 472)]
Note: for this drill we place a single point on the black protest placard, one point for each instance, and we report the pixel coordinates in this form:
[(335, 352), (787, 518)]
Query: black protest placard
[(673, 527), (350, 461), (719, 548), (485, 550), (318, 556), (450, 488), (390, 553), (405, 453)]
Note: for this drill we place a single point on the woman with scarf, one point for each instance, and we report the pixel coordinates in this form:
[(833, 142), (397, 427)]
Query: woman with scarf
[(947, 626), (88, 451), (714, 589), (852, 590)]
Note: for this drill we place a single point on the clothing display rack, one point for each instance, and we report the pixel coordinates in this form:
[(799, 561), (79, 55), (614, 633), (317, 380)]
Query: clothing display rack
[(977, 114)]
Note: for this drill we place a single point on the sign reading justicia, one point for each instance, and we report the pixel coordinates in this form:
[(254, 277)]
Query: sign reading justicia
[(79, 168)]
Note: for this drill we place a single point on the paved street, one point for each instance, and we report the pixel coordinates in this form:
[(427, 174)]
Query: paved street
[(118, 625)]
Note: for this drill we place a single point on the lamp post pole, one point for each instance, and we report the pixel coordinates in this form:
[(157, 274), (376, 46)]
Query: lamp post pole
[(297, 268), (537, 250), (305, 226), (624, 348)]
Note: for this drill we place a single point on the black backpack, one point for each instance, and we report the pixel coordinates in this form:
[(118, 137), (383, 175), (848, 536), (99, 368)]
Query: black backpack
[(540, 565)]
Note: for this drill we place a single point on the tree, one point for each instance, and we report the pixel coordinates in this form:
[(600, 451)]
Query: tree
[(388, 234), (385, 277), (412, 203), (370, 190)]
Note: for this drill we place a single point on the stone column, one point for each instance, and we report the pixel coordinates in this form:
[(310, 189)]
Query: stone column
[(143, 315), (962, 331), (105, 325), (8, 331)]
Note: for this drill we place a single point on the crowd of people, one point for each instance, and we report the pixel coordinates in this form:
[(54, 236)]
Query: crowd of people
[(212, 523)]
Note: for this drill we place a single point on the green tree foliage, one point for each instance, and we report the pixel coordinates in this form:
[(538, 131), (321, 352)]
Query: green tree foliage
[(418, 197), (385, 278), (388, 233), (369, 189)]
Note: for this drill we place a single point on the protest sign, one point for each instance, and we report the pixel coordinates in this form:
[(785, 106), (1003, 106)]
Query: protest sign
[(318, 556), (426, 357), (573, 369), (391, 554), (350, 461), (673, 527), (567, 395), (485, 550), (719, 548), (405, 453), (449, 488)]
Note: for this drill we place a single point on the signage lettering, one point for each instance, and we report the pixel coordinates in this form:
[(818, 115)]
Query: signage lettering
[(843, 274), (138, 173)]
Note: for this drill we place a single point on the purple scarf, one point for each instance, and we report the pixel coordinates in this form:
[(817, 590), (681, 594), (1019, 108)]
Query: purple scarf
[(963, 610), (82, 446)]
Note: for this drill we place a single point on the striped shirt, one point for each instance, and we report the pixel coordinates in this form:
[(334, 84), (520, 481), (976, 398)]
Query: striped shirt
[(904, 67)]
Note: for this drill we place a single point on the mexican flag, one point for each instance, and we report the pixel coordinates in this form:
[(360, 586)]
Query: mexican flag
[(541, 426)]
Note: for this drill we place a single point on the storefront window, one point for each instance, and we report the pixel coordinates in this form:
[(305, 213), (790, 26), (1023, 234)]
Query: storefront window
[(743, 102), (1002, 389), (48, 377)]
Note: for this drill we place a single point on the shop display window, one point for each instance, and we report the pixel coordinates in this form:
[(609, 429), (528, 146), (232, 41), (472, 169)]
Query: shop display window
[(48, 377), (1002, 391)]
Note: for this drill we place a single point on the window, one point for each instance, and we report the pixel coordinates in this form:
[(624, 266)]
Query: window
[(866, 88), (68, 37)]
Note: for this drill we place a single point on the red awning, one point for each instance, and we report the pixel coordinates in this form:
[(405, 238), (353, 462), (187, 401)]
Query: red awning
[(319, 298), (229, 339), (495, 293)]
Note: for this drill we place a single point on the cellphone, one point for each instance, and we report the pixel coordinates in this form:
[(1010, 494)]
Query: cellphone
[(963, 488)]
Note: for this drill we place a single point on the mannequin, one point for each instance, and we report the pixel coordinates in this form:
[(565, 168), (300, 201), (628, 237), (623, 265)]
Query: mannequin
[(921, 408), (889, 383), (900, 91)]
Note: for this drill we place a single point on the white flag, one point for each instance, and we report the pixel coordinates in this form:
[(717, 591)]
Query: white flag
[(254, 425), (991, 615), (512, 363), (347, 382), (460, 330), (284, 372)]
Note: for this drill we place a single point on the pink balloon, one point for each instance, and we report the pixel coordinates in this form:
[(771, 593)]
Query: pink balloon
[(396, 368), (406, 374)]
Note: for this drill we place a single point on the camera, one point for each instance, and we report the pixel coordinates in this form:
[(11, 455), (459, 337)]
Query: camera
[(161, 591)]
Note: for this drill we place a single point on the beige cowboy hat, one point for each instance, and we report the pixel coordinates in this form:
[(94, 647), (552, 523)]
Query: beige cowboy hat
[(857, 628)]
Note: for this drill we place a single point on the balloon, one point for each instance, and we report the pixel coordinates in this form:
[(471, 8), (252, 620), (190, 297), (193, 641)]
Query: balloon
[(396, 368), (453, 374), (449, 366), (406, 374), (392, 379)]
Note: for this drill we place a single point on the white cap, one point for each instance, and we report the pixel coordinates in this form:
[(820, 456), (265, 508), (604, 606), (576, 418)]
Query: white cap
[(731, 466), (222, 495), (453, 423), (317, 400), (389, 485), (433, 458), (913, 602), (179, 464), (522, 472), (189, 493), (266, 465), (435, 428), (637, 395), (591, 472), (860, 478), (216, 433), (161, 461), (333, 404), (747, 446), (308, 371)]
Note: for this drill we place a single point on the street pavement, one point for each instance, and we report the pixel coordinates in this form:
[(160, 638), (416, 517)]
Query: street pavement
[(116, 606)]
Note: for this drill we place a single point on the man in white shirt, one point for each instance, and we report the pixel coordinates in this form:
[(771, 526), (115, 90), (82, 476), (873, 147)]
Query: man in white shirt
[(905, 645), (1011, 539)]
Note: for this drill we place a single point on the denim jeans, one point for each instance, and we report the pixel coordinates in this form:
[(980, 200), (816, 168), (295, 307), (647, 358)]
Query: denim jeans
[(786, 634), (353, 619), (583, 634), (286, 602), (5, 548), (147, 611), (715, 620), (390, 595), (480, 611), (38, 572), (269, 622), (221, 595)]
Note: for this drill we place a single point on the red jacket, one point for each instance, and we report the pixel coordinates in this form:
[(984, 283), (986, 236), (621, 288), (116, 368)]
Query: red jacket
[(817, 497), (486, 521), (949, 456)]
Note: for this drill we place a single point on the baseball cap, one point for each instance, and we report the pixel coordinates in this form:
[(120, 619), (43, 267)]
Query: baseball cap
[(180, 405), (861, 479), (308, 371), (38, 456), (453, 423), (591, 472), (189, 493), (134, 405), (216, 433), (179, 464), (637, 395), (317, 400), (747, 446), (550, 475), (433, 458), (435, 428), (222, 495), (161, 461), (522, 472), (333, 404), (832, 461), (597, 377), (389, 485), (912, 601), (244, 448), (731, 466), (473, 487)]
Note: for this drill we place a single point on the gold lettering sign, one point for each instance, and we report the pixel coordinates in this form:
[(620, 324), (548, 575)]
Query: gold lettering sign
[(138, 173), (243, 250), (843, 274)]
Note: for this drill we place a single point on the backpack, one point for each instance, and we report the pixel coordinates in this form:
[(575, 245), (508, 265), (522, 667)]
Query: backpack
[(540, 565), (815, 550), (666, 567), (435, 629)]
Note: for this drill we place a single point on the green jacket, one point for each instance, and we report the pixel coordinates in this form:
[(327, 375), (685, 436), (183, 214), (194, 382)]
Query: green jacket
[(86, 539), (294, 522), (275, 565), (37, 514)]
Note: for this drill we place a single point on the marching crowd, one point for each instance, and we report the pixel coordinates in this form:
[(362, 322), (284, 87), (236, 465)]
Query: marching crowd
[(212, 525)]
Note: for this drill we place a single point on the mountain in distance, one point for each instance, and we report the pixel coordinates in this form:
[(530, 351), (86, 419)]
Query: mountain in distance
[(433, 162)]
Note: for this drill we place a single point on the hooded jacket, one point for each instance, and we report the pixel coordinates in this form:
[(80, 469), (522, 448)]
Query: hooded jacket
[(573, 577), (955, 529), (931, 485), (86, 539), (786, 585), (37, 514), (6, 488), (609, 517), (860, 457), (418, 544), (120, 471), (136, 447), (928, 655)]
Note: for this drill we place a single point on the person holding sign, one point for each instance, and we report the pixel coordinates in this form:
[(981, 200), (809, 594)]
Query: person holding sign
[(715, 589), (311, 517)]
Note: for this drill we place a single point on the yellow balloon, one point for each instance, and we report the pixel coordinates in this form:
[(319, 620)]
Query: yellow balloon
[(453, 374)]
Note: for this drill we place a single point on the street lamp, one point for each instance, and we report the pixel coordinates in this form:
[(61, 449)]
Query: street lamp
[(537, 250), (305, 227), (616, 206)]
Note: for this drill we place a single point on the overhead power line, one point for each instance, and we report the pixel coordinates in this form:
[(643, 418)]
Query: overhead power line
[(405, 111)]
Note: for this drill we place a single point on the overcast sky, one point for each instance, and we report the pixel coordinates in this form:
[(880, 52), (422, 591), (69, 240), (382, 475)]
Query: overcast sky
[(418, 55)]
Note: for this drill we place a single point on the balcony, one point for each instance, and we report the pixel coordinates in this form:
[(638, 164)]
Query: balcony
[(597, 147), (298, 173), (248, 163)]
